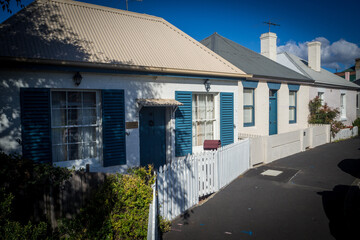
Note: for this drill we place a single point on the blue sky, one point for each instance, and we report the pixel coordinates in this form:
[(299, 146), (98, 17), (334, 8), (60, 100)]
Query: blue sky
[(331, 22)]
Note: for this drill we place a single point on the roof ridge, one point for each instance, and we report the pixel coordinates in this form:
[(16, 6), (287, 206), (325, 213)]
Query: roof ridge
[(104, 8), (289, 56)]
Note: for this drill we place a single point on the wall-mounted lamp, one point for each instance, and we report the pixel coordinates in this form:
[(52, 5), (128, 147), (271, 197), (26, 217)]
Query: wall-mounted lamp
[(77, 78), (207, 85)]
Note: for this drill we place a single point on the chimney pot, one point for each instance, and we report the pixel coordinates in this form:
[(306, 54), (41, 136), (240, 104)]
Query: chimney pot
[(314, 55), (268, 45)]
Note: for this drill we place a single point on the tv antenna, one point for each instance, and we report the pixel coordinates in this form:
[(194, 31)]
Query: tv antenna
[(271, 24), (127, 4)]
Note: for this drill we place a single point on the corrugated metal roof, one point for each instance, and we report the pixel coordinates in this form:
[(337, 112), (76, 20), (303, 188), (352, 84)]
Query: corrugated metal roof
[(322, 77), (248, 60), (73, 31)]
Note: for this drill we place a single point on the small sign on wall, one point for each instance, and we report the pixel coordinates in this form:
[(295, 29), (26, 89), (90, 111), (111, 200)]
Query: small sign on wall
[(131, 125)]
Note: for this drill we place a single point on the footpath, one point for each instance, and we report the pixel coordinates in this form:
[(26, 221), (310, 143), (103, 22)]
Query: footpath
[(310, 195)]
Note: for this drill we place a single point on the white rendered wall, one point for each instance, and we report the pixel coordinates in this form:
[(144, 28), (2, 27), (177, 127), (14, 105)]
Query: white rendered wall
[(134, 86), (332, 98), (262, 110)]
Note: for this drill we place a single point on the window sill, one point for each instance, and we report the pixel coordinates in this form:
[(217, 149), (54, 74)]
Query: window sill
[(343, 119)]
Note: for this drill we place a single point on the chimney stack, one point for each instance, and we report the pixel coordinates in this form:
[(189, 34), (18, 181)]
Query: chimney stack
[(268, 45), (357, 68), (314, 55), (347, 76)]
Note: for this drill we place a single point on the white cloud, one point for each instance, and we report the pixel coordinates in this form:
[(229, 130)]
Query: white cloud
[(337, 55)]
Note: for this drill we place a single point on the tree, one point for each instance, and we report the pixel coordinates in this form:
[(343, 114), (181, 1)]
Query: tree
[(5, 5)]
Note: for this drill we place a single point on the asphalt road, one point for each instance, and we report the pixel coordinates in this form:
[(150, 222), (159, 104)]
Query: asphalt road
[(315, 197)]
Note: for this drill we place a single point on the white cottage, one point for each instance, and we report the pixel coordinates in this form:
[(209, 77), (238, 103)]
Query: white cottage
[(85, 84), (330, 88), (275, 99)]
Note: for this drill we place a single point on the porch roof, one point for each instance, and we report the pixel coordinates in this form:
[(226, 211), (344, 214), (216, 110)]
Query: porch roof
[(156, 102)]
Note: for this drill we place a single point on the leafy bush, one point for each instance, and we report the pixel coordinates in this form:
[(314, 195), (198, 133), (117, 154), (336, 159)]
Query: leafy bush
[(10, 229), (22, 186), (118, 210), (357, 123), (321, 114)]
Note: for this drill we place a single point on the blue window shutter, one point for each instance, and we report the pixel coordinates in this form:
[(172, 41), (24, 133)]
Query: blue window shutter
[(183, 124), (226, 118), (113, 129), (36, 124)]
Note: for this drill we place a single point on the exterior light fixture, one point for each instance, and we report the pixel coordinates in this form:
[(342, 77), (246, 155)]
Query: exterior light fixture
[(207, 85), (77, 78)]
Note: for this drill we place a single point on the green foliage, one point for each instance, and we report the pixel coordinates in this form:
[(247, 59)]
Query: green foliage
[(118, 210), (357, 123), (22, 186), (164, 225), (10, 229), (321, 114)]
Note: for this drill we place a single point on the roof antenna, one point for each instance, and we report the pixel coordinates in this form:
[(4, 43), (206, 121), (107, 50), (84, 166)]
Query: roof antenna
[(270, 23), (127, 4)]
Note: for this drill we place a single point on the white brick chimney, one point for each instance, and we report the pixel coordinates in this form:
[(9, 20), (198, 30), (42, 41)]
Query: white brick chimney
[(268, 45), (314, 55), (357, 68)]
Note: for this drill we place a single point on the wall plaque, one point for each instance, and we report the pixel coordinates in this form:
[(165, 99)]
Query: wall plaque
[(131, 125)]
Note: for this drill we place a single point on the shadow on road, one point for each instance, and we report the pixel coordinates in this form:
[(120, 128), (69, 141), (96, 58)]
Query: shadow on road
[(342, 204), (351, 166)]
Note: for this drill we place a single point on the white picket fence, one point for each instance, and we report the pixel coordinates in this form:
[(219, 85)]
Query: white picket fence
[(181, 183)]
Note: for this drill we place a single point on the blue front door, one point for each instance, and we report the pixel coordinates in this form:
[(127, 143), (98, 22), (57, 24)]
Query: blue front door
[(272, 112), (152, 136)]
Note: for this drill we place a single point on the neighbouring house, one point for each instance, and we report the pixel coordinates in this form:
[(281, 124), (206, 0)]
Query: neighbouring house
[(275, 99), (357, 81), (85, 84), (330, 88)]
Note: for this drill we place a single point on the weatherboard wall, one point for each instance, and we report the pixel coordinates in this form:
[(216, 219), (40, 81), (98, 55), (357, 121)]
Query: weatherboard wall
[(134, 87)]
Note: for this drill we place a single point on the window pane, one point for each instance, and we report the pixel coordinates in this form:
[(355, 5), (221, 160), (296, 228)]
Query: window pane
[(89, 116), (292, 99), (59, 136), (74, 99), (90, 150), (248, 116), (89, 99), (59, 153), (210, 107), (248, 96), (201, 107), (89, 134), (75, 151), (75, 135), (201, 133), (58, 99), (292, 114), (75, 117), (209, 130), (58, 117)]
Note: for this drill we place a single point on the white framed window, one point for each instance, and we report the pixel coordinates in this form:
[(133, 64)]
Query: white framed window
[(343, 105), (292, 106), (75, 125), (203, 118), (321, 97), (249, 109), (357, 100)]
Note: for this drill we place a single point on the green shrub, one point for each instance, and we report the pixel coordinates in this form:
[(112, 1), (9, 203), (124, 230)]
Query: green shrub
[(22, 186), (119, 209), (357, 123), (321, 114), (10, 229)]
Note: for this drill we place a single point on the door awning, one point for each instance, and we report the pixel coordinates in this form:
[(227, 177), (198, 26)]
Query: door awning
[(155, 102)]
